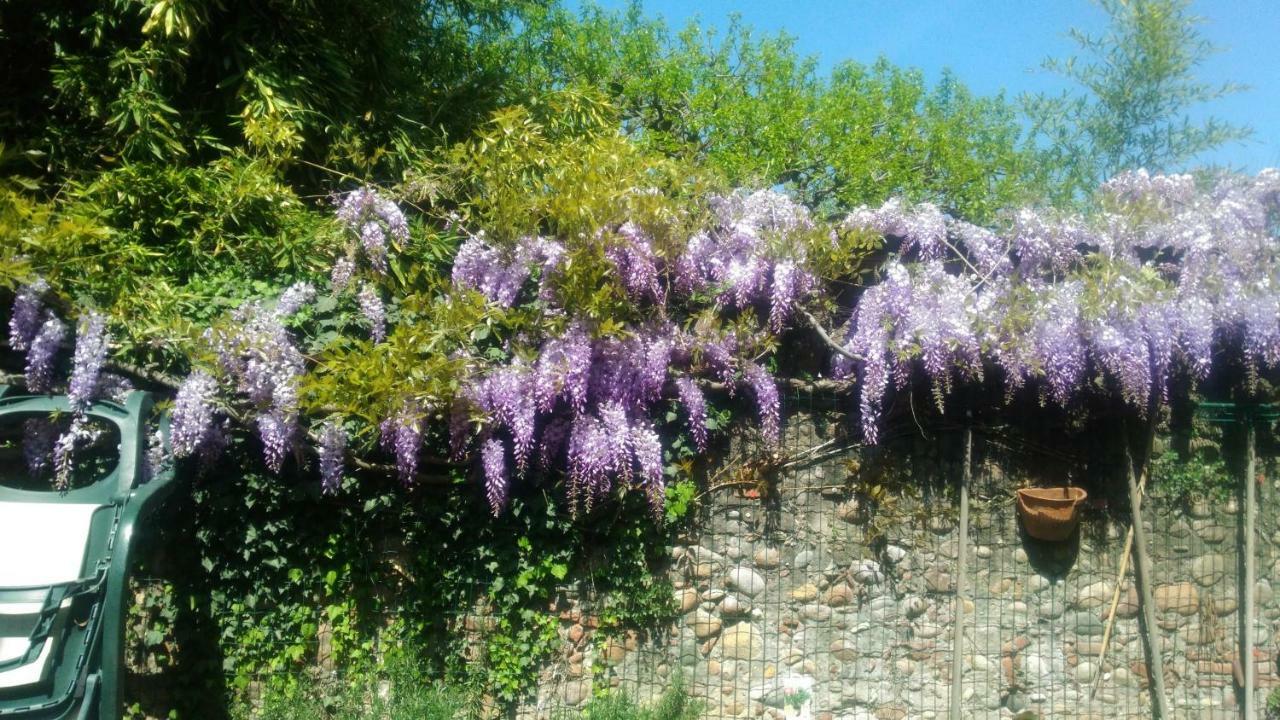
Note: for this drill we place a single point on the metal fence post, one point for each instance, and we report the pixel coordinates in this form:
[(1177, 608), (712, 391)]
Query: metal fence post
[(957, 643)]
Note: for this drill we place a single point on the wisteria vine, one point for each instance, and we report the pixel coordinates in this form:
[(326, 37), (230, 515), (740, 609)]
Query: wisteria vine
[(1165, 279), (1143, 289)]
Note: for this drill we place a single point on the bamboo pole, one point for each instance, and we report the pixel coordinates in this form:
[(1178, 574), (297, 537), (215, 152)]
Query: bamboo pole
[(1124, 556), (1142, 566), (1250, 570), (957, 643), (1115, 603)]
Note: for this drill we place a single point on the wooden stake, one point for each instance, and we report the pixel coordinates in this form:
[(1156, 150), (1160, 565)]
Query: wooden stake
[(1124, 556), (1115, 603), (1250, 571), (957, 643), (1142, 564)]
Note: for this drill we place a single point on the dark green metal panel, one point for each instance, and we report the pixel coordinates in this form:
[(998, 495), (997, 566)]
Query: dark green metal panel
[(1230, 412)]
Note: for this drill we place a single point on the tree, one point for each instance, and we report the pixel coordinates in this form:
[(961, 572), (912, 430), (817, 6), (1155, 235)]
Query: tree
[(751, 108), (1137, 86), (92, 85)]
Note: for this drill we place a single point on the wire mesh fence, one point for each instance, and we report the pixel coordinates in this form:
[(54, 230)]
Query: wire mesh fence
[(824, 580)]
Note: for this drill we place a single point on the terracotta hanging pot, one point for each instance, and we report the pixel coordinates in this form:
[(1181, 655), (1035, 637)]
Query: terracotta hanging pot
[(1050, 514)]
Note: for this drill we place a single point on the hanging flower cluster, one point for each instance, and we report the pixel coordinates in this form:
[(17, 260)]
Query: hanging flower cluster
[(588, 405), (1168, 277), (1144, 289), (262, 366), (37, 330), (747, 258), (374, 219), (499, 275)]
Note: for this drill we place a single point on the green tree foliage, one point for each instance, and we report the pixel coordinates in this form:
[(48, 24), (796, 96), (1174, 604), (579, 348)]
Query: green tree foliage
[(751, 108), (1136, 87), (90, 85)]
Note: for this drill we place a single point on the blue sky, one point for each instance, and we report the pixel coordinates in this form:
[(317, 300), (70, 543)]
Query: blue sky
[(995, 45)]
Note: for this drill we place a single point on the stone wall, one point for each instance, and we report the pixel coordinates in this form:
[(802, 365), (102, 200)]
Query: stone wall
[(854, 603)]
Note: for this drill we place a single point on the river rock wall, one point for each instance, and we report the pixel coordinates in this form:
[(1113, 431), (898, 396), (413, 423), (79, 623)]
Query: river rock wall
[(815, 594)]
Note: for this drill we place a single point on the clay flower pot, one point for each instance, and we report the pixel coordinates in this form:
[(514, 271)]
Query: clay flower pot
[(1050, 514)]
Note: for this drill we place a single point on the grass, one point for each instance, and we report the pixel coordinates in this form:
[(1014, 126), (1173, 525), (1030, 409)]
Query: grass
[(675, 704), (402, 692), (399, 693)]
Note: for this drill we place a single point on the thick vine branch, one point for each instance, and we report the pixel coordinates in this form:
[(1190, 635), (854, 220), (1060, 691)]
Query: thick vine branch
[(826, 337)]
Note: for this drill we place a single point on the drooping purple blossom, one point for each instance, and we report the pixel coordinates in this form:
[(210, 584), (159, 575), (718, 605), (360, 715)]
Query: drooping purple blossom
[(647, 450), (554, 437), (373, 311), (374, 241), (373, 218), (1044, 244), (294, 298), (506, 397), (493, 457), (192, 420), (114, 387), (1139, 186), (42, 354), (80, 433), (635, 264), (340, 275), (768, 407), (276, 430), (631, 372), (481, 267), (459, 428), (695, 405), (564, 370), (719, 356), (27, 315), (922, 228), (402, 436), (86, 363), (331, 449), (258, 352)]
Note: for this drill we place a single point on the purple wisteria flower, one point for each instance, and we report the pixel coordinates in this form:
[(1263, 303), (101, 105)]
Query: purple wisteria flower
[(192, 420), (80, 433), (114, 387), (373, 311), (258, 353), (43, 353), (402, 436), (340, 275), (493, 457), (87, 361), (636, 265), (374, 219), (599, 452), (276, 429), (564, 370), (331, 449), (294, 299), (768, 406), (481, 267), (695, 405), (646, 447), (922, 228), (27, 316)]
